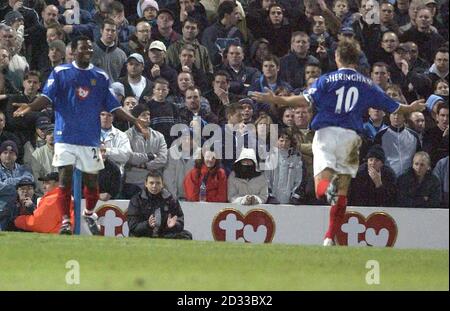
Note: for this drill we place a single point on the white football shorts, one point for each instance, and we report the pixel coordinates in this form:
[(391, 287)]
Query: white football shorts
[(336, 148), (85, 158)]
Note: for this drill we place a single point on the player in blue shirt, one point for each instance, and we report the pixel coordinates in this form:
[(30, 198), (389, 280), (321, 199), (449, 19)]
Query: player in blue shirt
[(78, 92), (340, 100)]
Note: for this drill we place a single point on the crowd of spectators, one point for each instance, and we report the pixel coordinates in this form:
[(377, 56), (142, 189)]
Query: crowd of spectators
[(194, 63)]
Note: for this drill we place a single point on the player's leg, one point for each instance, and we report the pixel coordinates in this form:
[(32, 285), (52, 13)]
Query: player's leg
[(322, 181), (338, 208), (65, 186), (91, 195)]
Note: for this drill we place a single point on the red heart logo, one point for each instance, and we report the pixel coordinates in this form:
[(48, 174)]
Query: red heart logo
[(378, 229), (257, 226), (113, 222)]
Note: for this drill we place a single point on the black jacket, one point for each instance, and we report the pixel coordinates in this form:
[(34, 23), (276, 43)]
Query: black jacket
[(144, 204), (364, 193), (411, 193)]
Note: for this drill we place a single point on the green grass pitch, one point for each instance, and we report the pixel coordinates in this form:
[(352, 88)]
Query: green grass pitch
[(38, 262)]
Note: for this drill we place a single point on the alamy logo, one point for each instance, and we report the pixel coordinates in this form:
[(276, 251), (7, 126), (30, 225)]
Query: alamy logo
[(72, 12)]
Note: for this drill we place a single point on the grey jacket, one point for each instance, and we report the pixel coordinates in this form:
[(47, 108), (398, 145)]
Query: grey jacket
[(138, 164)]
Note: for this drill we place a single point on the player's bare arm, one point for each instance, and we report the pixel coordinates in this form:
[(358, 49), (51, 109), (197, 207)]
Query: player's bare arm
[(293, 101), (37, 105), (140, 124), (418, 105)]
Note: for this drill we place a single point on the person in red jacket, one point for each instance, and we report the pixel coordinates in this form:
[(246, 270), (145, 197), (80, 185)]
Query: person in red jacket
[(47, 217), (207, 170)]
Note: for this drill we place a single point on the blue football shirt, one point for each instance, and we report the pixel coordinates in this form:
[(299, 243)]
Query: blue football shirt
[(78, 96), (341, 98)]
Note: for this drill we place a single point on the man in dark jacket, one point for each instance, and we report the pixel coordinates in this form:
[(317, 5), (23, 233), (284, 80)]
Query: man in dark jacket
[(375, 183), (155, 213)]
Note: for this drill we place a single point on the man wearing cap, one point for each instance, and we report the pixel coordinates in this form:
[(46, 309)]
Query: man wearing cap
[(26, 197), (164, 28), (107, 55), (375, 182), (42, 157), (30, 16), (135, 84), (11, 172), (37, 139), (157, 67), (46, 218), (412, 83)]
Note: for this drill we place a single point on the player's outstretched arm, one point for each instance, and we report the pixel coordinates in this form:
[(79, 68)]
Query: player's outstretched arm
[(280, 101), (140, 124), (37, 105), (418, 105)]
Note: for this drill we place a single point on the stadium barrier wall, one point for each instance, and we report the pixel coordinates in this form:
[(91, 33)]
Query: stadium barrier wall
[(303, 225)]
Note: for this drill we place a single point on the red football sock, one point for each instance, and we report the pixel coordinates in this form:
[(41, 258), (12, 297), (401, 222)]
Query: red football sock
[(321, 188), (91, 196), (66, 199), (337, 213)]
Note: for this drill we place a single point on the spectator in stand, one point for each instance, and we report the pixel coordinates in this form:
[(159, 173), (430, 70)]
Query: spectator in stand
[(418, 64), (128, 104), (416, 122), (139, 42), (418, 186), (375, 183), (380, 74), (187, 64), (389, 42), (185, 9), (375, 123), (249, 111), (164, 114), (284, 171), (56, 54), (258, 50), (207, 181), (26, 197), (439, 69), (135, 84), (6, 135), (85, 23), (10, 171), (157, 67), (401, 12), (164, 31), (147, 154), (246, 184), (109, 178), (293, 65), (436, 138), (181, 159), (107, 55), (147, 10), (399, 143), (47, 217), (441, 172), (42, 158), (190, 32), (220, 34), (270, 79), (241, 76), (193, 108), (277, 30), (115, 143), (219, 98), (441, 87), (178, 97), (422, 33), (124, 29), (413, 84), (155, 213)]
